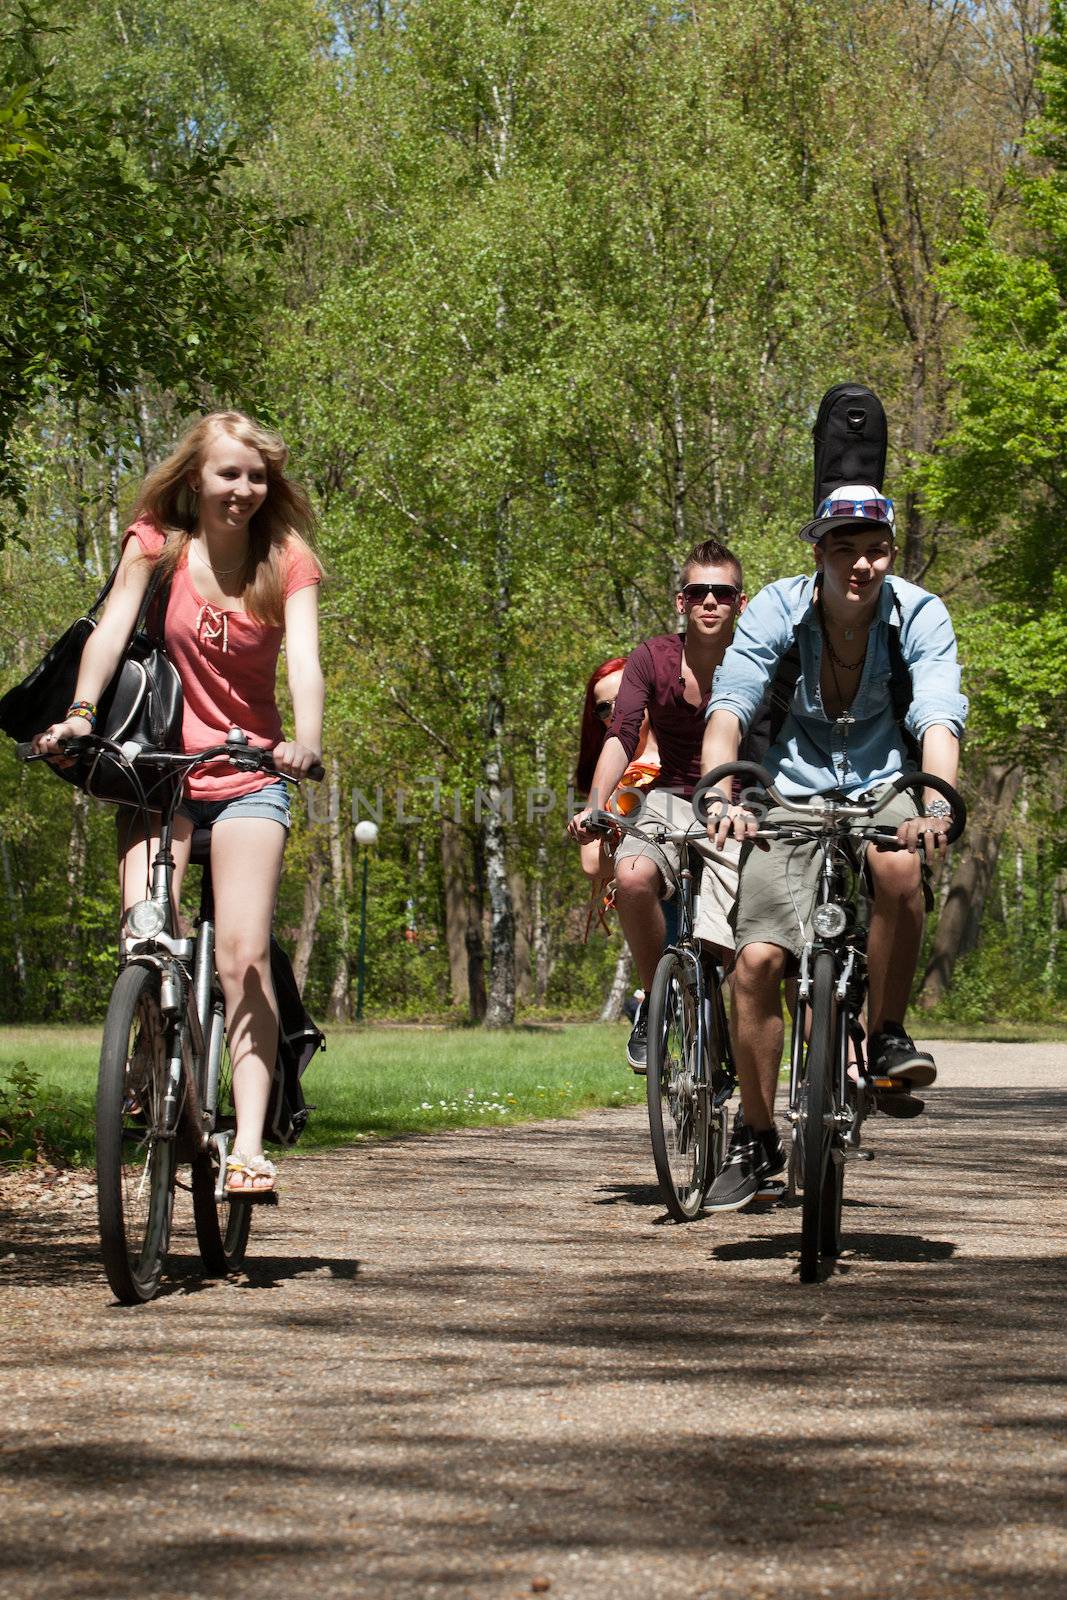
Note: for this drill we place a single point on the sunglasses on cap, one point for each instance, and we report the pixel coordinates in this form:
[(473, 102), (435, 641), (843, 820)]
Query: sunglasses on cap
[(603, 709), (727, 594), (876, 510)]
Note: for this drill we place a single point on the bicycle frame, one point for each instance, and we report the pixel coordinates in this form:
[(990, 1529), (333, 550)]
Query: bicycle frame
[(850, 964)]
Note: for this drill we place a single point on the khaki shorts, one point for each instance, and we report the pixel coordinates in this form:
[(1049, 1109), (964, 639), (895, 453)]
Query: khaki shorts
[(718, 883), (778, 886)]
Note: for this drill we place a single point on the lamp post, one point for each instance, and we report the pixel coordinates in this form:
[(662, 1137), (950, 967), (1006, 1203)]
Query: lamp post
[(366, 833)]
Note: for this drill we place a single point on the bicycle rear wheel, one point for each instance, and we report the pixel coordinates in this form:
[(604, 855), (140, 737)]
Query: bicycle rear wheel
[(678, 1093), (222, 1226), (135, 1150), (816, 1127), (832, 1196)]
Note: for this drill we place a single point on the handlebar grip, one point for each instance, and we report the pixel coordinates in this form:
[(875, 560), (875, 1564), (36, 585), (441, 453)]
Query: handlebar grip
[(316, 772), (729, 769), (926, 780), (599, 823), (24, 750)]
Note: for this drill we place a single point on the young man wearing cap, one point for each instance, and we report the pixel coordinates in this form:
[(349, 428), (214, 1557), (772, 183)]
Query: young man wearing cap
[(670, 677), (840, 733)]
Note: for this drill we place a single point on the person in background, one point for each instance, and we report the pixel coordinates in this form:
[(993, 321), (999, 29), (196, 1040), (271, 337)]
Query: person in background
[(597, 711), (667, 680)]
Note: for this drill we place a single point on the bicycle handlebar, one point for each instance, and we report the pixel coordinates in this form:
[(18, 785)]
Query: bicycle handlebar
[(832, 810), (246, 757)]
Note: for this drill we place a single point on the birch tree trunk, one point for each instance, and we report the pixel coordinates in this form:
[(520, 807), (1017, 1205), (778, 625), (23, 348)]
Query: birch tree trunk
[(454, 875), (340, 1006), (962, 913), (539, 908), (620, 983), (309, 917), (113, 509), (500, 1007), (477, 1000), (76, 857)]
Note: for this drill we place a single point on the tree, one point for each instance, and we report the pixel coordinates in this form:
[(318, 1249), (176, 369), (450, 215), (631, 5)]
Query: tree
[(999, 479), (121, 258)]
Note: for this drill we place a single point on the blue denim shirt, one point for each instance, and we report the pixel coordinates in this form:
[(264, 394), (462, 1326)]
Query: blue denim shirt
[(813, 754)]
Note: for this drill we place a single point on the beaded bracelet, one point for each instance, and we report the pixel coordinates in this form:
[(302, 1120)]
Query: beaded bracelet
[(83, 708)]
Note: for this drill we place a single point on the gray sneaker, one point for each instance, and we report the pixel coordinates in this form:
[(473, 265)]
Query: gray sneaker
[(751, 1160), (637, 1044)]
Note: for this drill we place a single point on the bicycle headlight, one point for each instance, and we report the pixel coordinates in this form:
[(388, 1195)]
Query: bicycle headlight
[(145, 919), (828, 921)]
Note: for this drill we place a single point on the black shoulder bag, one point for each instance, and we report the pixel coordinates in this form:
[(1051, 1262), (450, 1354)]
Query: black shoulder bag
[(141, 705)]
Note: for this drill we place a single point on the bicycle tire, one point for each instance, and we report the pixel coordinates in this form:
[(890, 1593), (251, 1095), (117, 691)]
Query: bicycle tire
[(677, 1107), (135, 1151), (222, 1226), (815, 1105), (719, 1115), (832, 1196)]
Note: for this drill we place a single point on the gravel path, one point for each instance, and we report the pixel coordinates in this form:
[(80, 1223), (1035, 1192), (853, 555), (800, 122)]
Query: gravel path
[(481, 1365)]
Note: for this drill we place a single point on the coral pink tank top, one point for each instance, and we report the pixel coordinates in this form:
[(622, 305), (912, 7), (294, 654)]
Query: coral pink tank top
[(228, 662)]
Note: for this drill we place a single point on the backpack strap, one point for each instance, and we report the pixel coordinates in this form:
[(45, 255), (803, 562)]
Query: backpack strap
[(900, 689), (779, 697), (157, 590)]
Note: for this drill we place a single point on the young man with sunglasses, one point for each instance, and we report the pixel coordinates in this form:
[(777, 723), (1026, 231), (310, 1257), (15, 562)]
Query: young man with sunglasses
[(670, 678), (841, 733)]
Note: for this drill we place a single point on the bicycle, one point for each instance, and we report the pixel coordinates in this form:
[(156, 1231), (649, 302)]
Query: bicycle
[(830, 1092), (689, 1075), (164, 1090)]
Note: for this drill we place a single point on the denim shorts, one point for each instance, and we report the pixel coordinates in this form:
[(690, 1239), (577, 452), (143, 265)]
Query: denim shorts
[(272, 802)]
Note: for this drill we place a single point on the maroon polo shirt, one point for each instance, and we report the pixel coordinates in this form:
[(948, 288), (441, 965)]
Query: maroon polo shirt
[(652, 682)]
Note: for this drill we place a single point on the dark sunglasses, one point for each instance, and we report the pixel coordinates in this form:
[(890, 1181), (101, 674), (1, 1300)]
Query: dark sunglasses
[(603, 709), (727, 594)]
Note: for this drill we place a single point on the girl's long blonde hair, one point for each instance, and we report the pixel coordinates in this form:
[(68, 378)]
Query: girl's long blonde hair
[(283, 520)]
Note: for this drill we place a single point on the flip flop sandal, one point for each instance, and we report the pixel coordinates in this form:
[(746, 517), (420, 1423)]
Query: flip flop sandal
[(252, 1168)]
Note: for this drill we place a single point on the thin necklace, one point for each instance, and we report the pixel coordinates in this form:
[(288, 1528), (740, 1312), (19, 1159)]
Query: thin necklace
[(835, 659), (220, 572)]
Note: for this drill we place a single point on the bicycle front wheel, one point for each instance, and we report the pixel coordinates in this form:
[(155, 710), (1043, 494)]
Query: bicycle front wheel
[(222, 1226), (135, 1150), (816, 1125), (678, 1091)]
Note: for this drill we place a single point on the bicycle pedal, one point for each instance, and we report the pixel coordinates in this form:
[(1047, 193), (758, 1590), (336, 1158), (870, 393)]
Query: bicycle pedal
[(773, 1189), (860, 1155), (254, 1197)]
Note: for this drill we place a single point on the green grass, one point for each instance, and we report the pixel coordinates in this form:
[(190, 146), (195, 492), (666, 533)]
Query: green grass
[(370, 1082), (377, 1081), (989, 1032)]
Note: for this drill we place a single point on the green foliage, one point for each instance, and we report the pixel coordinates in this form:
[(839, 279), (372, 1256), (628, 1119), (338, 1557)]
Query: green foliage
[(572, 277), (123, 255), (31, 1117), (1000, 476)]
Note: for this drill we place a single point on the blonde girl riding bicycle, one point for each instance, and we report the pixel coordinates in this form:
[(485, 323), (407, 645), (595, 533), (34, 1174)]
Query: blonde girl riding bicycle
[(231, 533)]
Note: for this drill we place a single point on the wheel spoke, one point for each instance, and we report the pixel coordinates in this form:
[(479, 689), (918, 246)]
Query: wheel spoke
[(677, 1091)]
